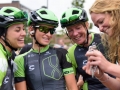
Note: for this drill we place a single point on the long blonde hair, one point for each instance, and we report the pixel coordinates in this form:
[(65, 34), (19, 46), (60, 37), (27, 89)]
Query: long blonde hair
[(111, 7)]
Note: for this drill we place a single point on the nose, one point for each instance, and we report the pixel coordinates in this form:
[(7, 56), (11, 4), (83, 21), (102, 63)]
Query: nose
[(101, 28), (75, 32), (23, 33)]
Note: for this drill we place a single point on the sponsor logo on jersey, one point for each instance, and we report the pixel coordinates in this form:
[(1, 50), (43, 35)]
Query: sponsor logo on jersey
[(6, 80), (47, 53), (67, 72), (31, 67), (84, 62), (31, 55)]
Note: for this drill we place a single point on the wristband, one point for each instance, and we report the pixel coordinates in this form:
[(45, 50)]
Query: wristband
[(103, 80)]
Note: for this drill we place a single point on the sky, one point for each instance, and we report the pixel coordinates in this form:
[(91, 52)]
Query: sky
[(57, 6)]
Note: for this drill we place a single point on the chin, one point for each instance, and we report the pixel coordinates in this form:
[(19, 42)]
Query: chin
[(80, 42), (20, 46), (45, 44)]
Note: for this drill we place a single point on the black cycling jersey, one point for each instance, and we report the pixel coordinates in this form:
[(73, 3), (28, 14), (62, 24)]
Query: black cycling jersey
[(77, 55), (44, 70), (26, 48), (13, 55)]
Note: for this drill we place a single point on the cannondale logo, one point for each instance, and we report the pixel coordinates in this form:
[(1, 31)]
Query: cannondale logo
[(31, 67), (84, 62), (6, 80)]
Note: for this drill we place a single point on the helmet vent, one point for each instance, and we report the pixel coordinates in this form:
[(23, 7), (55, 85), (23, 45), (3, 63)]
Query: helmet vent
[(75, 12), (2, 20), (43, 12), (8, 11), (34, 16), (63, 16)]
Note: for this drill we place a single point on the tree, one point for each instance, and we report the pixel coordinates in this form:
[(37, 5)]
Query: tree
[(78, 3)]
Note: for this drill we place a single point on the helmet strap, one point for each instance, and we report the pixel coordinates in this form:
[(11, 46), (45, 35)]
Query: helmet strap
[(5, 41), (7, 44)]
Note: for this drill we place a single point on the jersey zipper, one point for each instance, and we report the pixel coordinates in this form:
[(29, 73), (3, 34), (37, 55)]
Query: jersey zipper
[(40, 72)]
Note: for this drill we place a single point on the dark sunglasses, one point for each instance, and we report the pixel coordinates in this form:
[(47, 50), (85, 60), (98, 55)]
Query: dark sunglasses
[(46, 29)]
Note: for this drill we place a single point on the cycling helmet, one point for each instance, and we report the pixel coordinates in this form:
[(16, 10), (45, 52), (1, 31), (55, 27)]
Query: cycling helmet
[(43, 15), (9, 15), (72, 16)]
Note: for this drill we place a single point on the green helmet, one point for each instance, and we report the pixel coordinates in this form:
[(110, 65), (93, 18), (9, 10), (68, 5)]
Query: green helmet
[(72, 16), (43, 15), (9, 15)]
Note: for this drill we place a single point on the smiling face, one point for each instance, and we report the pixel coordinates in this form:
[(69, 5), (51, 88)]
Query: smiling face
[(102, 22), (15, 35), (43, 38), (78, 33)]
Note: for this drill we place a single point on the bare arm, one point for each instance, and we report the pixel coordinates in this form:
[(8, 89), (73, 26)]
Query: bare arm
[(103, 63), (105, 79), (21, 86), (71, 82), (111, 83), (114, 70)]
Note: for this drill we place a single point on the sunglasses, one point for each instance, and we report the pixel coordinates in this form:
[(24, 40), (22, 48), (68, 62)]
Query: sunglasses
[(46, 29)]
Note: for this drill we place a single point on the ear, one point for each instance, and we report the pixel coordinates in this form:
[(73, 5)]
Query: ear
[(87, 24), (31, 30)]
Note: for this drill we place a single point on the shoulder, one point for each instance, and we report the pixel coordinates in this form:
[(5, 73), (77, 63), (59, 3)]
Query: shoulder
[(71, 49), (97, 35), (20, 58), (61, 50), (26, 48)]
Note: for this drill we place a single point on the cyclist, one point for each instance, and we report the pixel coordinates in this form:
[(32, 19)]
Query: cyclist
[(12, 33), (43, 67), (75, 22)]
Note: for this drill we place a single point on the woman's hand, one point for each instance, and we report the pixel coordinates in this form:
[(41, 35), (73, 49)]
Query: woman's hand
[(80, 82), (95, 57), (98, 73)]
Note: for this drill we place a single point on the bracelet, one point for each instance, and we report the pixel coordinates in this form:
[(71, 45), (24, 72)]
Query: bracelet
[(104, 80), (100, 77)]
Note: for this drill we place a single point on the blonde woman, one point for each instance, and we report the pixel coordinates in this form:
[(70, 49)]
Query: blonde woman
[(106, 16)]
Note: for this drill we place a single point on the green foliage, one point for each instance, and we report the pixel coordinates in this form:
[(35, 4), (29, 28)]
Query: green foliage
[(91, 25), (78, 3), (28, 38)]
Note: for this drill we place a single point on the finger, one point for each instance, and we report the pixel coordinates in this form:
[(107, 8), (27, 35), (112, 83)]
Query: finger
[(80, 77), (93, 58), (80, 81), (87, 68), (92, 53), (84, 67)]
